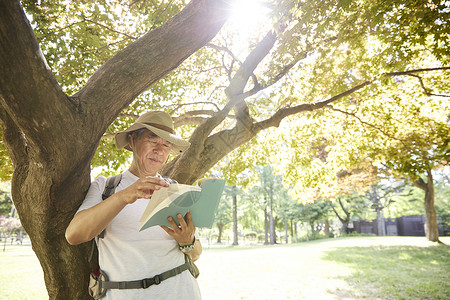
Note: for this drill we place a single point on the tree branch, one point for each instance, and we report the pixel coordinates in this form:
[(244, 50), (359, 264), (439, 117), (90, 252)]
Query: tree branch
[(246, 69), (132, 70), (409, 72), (90, 21), (345, 212), (22, 61), (412, 73), (159, 16), (194, 103), (198, 71), (110, 29), (192, 117), (425, 89), (276, 118), (224, 49), (366, 123), (235, 89), (197, 112), (420, 183), (189, 121), (284, 71), (103, 47)]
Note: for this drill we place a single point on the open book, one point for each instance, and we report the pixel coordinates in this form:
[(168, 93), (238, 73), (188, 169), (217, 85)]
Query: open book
[(202, 200)]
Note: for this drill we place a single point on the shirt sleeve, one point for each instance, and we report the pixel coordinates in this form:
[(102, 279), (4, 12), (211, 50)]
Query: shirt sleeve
[(94, 194)]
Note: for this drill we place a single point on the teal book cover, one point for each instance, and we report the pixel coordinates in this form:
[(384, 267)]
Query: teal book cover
[(202, 200)]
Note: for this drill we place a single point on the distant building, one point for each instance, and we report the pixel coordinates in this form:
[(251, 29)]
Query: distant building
[(403, 226)]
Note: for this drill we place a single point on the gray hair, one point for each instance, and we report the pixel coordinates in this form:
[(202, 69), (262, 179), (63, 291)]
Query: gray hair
[(138, 132)]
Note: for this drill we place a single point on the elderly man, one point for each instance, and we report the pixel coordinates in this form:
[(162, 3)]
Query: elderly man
[(125, 254)]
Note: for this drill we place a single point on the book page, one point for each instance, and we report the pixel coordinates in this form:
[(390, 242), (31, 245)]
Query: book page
[(179, 199), (163, 197)]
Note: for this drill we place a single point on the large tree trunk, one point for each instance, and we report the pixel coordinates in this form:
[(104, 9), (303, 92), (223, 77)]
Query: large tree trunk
[(52, 137), (381, 224), (235, 220), (431, 227)]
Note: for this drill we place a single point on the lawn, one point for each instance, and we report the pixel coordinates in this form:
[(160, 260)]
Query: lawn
[(343, 268)]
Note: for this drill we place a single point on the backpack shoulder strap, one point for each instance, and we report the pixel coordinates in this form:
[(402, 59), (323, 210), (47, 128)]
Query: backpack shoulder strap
[(110, 186)]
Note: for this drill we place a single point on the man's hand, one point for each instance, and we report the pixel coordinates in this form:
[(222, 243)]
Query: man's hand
[(183, 234), (142, 188)]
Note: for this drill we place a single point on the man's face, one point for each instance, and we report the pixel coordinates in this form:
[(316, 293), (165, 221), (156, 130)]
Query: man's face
[(152, 152)]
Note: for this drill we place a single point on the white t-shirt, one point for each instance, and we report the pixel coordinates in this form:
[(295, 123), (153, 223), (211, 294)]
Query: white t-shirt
[(126, 254)]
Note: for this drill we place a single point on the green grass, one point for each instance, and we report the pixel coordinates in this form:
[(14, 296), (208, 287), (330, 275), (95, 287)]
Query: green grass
[(344, 268), (395, 272), (21, 275)]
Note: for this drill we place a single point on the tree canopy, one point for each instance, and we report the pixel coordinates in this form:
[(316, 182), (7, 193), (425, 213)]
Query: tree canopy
[(317, 88)]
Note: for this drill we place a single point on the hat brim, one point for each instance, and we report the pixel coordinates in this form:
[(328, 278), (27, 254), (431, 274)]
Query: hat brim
[(178, 144)]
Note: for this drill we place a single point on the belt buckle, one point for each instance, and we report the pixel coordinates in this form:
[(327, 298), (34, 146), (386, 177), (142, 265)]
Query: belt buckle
[(151, 281), (146, 283)]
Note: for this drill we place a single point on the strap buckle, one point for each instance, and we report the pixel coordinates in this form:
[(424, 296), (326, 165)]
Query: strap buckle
[(151, 281)]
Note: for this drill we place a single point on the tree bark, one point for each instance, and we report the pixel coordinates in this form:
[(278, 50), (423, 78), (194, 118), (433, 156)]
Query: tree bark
[(235, 220), (327, 228), (275, 222), (219, 237), (271, 222), (381, 224), (266, 226), (52, 137), (344, 221), (292, 228), (431, 227), (286, 231)]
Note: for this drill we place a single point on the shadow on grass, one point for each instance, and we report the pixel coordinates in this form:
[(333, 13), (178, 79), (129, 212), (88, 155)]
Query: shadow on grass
[(394, 272)]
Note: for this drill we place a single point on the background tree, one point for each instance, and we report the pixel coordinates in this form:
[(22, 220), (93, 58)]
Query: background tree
[(226, 212), (234, 196), (6, 203), (442, 201), (253, 212), (286, 211), (315, 214), (382, 196), (349, 207), (271, 189), (6, 167)]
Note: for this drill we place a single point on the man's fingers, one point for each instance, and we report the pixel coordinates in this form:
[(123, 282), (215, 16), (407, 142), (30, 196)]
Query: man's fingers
[(189, 217), (173, 224), (181, 221), (145, 186), (155, 180)]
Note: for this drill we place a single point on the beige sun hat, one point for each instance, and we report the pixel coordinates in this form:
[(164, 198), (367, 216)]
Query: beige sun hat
[(158, 122)]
